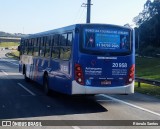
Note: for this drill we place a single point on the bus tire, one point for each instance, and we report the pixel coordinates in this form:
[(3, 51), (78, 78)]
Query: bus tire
[(45, 85), (25, 76)]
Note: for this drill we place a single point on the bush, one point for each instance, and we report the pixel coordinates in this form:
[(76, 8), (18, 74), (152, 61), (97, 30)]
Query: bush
[(149, 51)]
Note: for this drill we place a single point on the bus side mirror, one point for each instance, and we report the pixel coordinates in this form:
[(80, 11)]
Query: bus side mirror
[(19, 48)]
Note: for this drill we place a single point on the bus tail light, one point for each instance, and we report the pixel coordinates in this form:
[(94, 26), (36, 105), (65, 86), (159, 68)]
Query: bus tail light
[(131, 74), (79, 74)]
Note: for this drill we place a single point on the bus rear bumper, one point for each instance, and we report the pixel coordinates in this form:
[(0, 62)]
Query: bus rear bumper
[(80, 89)]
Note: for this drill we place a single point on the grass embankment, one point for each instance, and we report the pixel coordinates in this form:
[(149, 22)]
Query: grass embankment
[(14, 54), (148, 89), (8, 44), (148, 68)]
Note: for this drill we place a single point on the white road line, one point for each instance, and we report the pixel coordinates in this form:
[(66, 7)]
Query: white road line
[(129, 104), (10, 62), (75, 127), (4, 72), (26, 89), (104, 100)]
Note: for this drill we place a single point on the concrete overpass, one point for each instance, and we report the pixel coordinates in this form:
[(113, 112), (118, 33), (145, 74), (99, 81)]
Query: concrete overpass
[(9, 39)]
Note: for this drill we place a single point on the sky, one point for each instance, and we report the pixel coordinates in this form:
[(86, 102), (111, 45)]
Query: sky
[(33, 16)]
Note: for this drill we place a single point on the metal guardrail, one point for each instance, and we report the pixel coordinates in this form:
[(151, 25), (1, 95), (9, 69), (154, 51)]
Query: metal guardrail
[(9, 39), (147, 81)]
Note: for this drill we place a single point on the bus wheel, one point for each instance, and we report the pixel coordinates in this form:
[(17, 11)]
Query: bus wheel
[(25, 76), (45, 85)]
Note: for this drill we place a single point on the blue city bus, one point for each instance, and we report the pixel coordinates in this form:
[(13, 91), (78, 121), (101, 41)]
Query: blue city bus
[(81, 59)]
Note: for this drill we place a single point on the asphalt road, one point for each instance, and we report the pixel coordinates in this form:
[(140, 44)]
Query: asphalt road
[(20, 100)]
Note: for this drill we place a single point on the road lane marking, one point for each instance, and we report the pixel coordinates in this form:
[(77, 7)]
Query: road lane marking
[(26, 89), (129, 104), (75, 127), (10, 73), (104, 100), (4, 72), (10, 62), (14, 73)]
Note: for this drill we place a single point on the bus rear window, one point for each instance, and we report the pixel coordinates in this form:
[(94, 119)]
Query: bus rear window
[(109, 40)]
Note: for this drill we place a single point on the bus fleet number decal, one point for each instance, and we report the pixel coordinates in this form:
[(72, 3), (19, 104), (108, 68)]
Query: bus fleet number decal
[(119, 65)]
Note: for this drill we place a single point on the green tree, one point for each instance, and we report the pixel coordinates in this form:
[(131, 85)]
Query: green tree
[(148, 28)]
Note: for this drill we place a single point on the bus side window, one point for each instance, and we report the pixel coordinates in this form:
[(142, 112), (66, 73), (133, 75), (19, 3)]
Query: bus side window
[(69, 39), (42, 47), (30, 47), (56, 40), (52, 41), (55, 53), (65, 51), (26, 46), (39, 45), (47, 50), (63, 39), (36, 47), (22, 45)]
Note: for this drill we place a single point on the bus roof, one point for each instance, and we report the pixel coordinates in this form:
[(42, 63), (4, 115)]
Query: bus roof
[(68, 28)]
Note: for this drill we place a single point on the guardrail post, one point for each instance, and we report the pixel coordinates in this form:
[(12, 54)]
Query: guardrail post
[(139, 84), (147, 81)]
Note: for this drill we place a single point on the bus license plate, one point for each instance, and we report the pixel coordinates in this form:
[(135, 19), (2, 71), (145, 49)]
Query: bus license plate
[(105, 82)]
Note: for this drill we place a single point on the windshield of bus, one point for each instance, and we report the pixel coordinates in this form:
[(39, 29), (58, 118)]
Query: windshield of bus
[(106, 40)]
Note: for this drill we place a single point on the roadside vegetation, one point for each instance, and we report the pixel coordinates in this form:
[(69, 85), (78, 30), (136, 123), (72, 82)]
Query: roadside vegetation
[(8, 44), (14, 53), (148, 89), (147, 38), (147, 32), (148, 68)]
